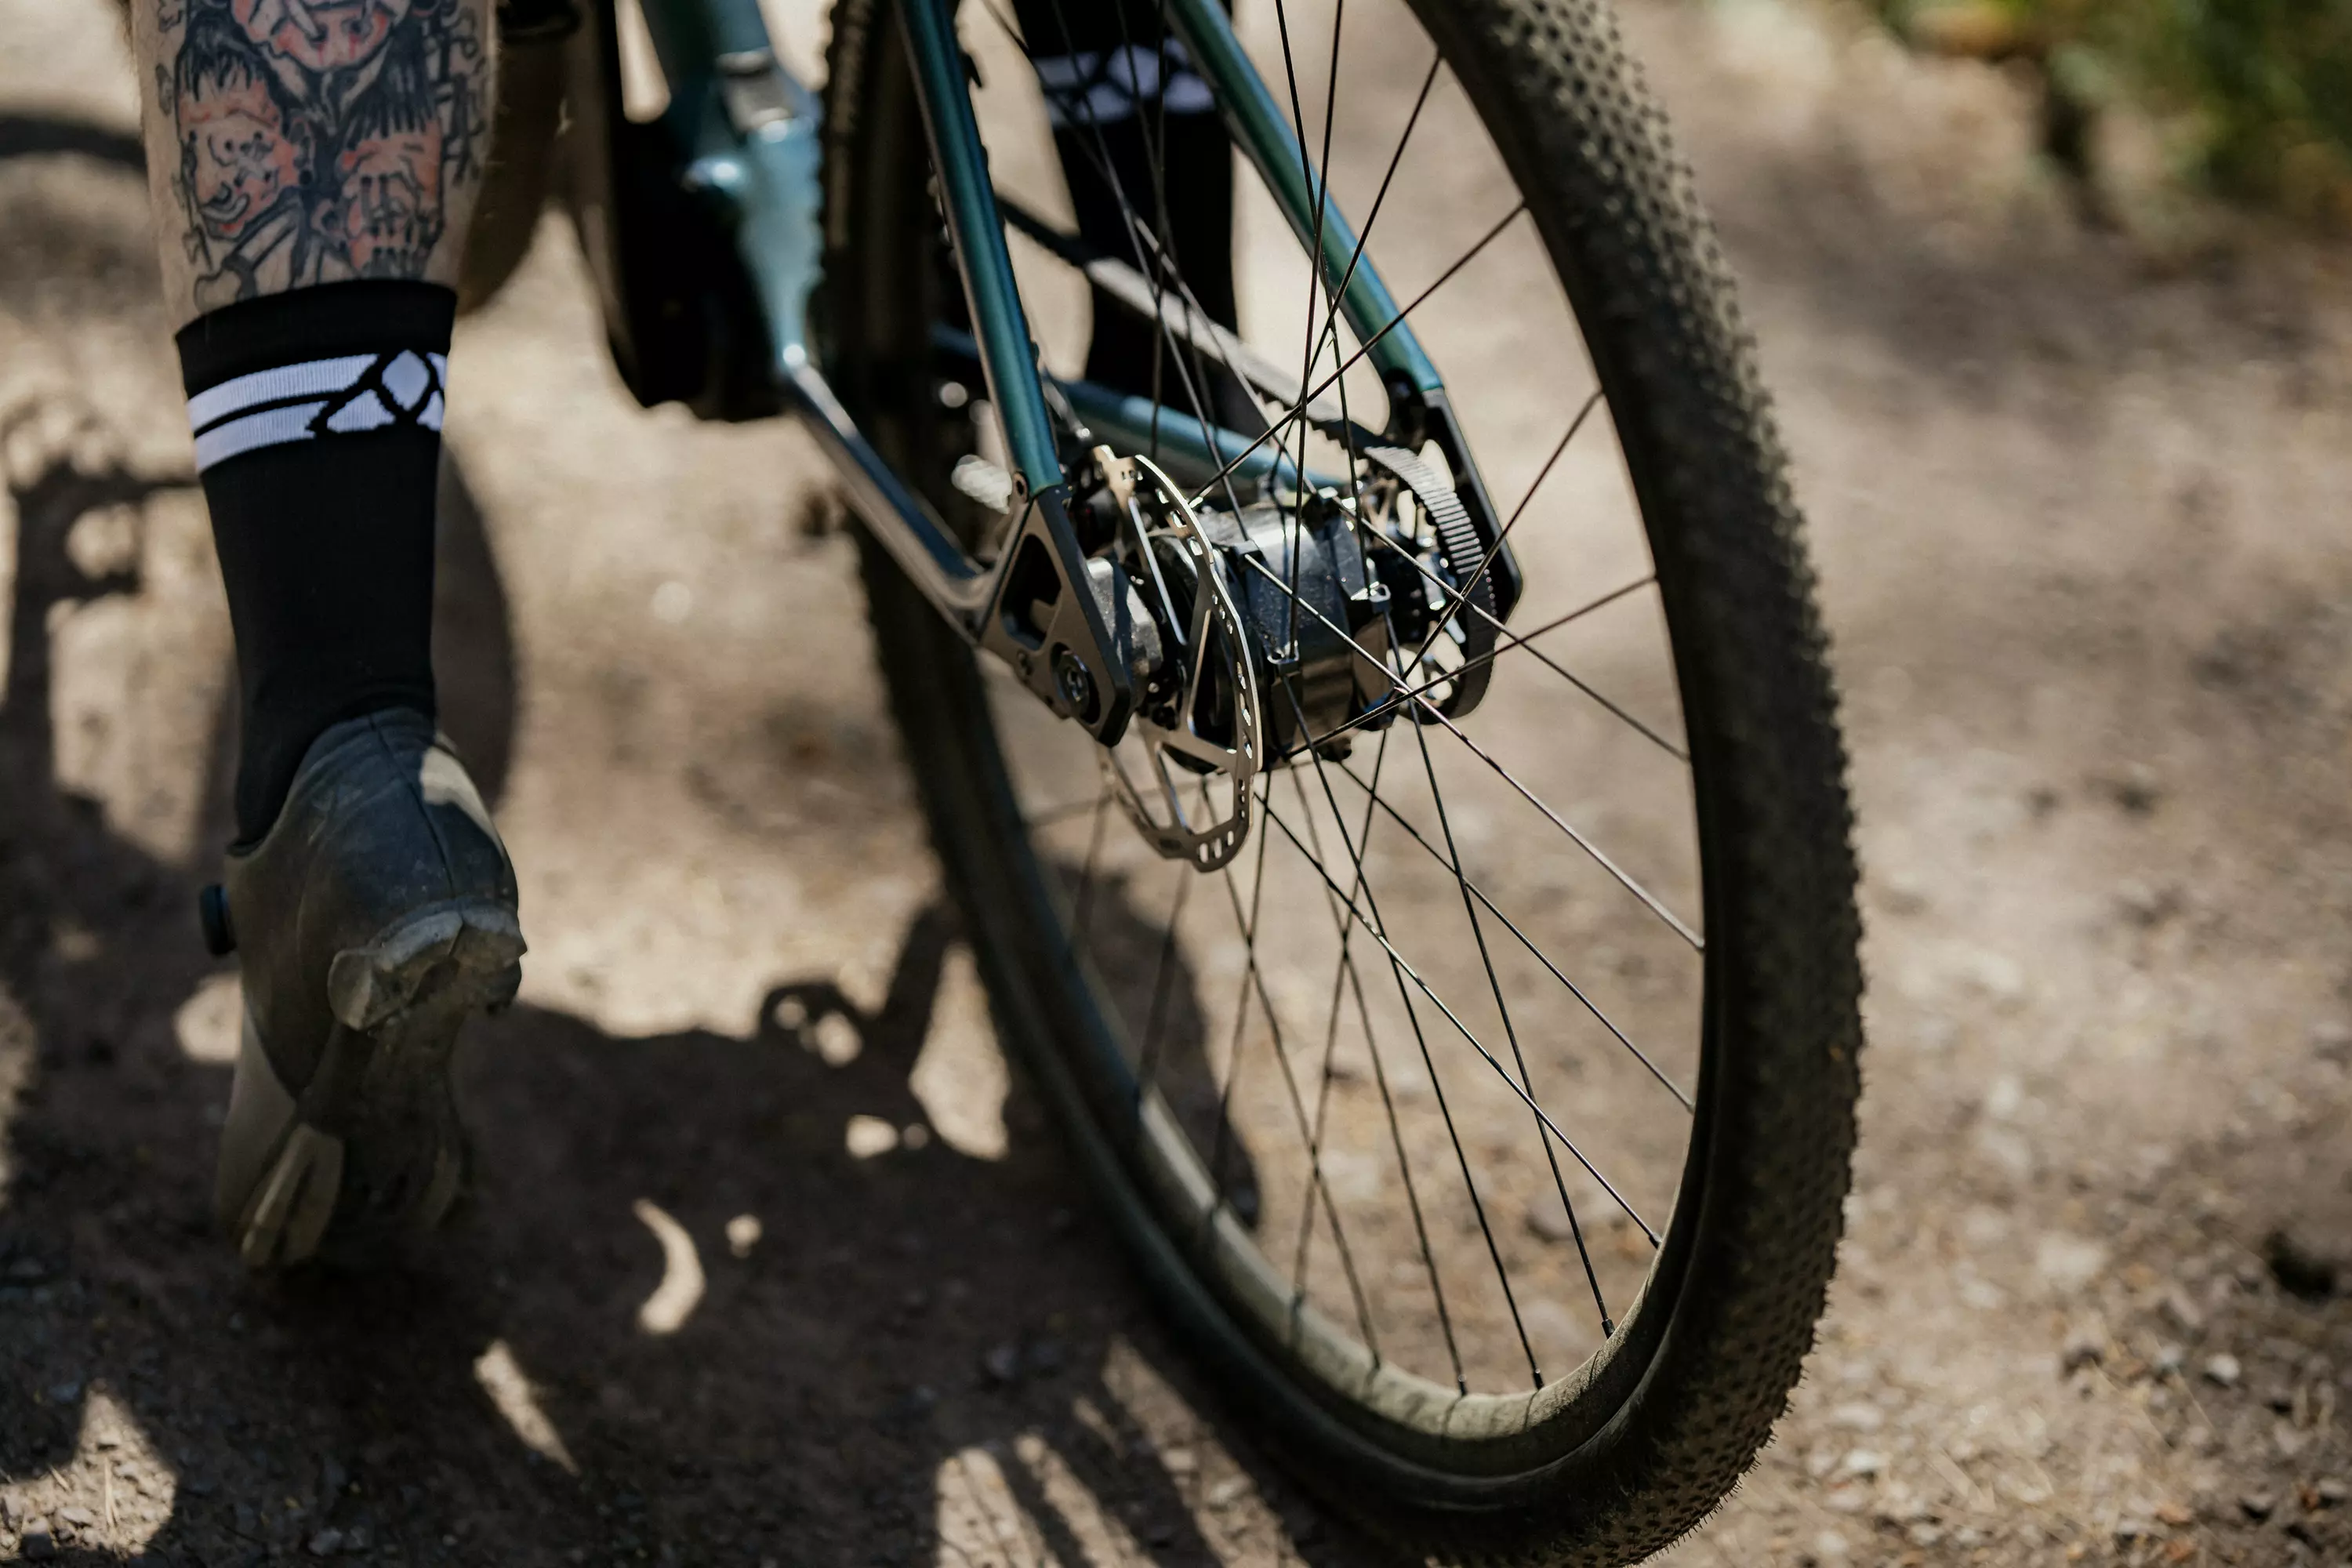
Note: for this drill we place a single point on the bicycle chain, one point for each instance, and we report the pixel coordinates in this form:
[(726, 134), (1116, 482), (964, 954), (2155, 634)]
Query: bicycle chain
[(1463, 551)]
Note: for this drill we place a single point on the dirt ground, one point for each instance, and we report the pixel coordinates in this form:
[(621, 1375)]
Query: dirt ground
[(2078, 510)]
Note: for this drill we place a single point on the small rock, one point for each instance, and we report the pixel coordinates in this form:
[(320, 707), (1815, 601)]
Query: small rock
[(2086, 1346), (2300, 1267), (2333, 1492), (2132, 1527), (79, 1518), (1227, 1492), (2224, 1370), (1923, 1533), (326, 1543), (2175, 1514), (2146, 907), (1047, 1356), (743, 1234), (2278, 1397), (1858, 1416), (2186, 1315), (1863, 1462), (2068, 1263), (64, 1393), (2169, 1359), (36, 1544), (355, 1539), (1828, 1546), (2301, 1530), (2257, 1506), (1001, 1363), (1180, 1461), (2331, 1040), (107, 1440), (2136, 789)]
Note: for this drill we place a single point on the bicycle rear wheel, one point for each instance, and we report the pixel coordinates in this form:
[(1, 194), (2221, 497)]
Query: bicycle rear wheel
[(1485, 1124)]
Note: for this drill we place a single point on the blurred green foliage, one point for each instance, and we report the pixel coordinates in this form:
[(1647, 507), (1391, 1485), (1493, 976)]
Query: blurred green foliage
[(2255, 97)]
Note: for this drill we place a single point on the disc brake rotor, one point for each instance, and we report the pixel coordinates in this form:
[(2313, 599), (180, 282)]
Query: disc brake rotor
[(1200, 722)]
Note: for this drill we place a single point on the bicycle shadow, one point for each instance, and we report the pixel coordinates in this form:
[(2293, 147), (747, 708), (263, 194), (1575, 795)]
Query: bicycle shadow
[(927, 1353)]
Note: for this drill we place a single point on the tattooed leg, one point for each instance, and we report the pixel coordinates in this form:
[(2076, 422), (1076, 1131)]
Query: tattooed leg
[(302, 142), (313, 165)]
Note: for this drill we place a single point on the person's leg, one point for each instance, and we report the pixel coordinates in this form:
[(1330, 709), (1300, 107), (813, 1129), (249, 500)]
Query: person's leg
[(312, 165), (1131, 120)]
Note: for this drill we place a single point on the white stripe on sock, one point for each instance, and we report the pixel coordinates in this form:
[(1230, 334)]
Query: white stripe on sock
[(266, 428), (1128, 78), (312, 378), (214, 412)]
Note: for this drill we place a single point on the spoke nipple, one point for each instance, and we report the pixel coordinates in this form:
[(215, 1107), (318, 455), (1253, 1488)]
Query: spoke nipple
[(1608, 1329)]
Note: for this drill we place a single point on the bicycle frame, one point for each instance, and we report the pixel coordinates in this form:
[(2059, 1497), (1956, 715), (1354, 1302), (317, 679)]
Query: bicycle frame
[(713, 311)]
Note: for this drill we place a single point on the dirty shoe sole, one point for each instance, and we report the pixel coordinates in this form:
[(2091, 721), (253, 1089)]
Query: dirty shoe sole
[(369, 1156)]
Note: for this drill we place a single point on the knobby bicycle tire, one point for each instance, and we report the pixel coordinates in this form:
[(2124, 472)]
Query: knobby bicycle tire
[(1651, 1436)]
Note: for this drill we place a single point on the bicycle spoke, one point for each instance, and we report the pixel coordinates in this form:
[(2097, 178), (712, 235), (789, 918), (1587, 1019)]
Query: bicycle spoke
[(1148, 246), (1053, 816), (1364, 1156), (1369, 345), (1194, 395), (1163, 973), (1331, 1030), (1453, 861), (1508, 641), (1526, 1084), (1467, 1034), (1094, 851), (1404, 1161), (1254, 979), (1241, 1018), (1399, 970), (1534, 951), (1461, 596), (1647, 733), (1649, 900)]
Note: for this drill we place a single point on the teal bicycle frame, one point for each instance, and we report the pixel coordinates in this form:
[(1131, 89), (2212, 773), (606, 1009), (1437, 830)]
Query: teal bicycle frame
[(739, 144)]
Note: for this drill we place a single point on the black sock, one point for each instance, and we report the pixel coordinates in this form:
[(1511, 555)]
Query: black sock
[(317, 416), (1117, 82)]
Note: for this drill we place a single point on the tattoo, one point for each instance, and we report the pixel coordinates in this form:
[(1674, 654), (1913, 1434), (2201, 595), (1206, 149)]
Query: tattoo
[(318, 139)]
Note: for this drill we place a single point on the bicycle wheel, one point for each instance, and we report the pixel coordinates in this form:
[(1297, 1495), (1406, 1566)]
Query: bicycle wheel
[(1484, 1124)]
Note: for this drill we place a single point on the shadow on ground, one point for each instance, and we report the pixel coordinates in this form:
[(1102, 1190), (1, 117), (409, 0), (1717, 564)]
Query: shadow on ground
[(921, 1354)]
